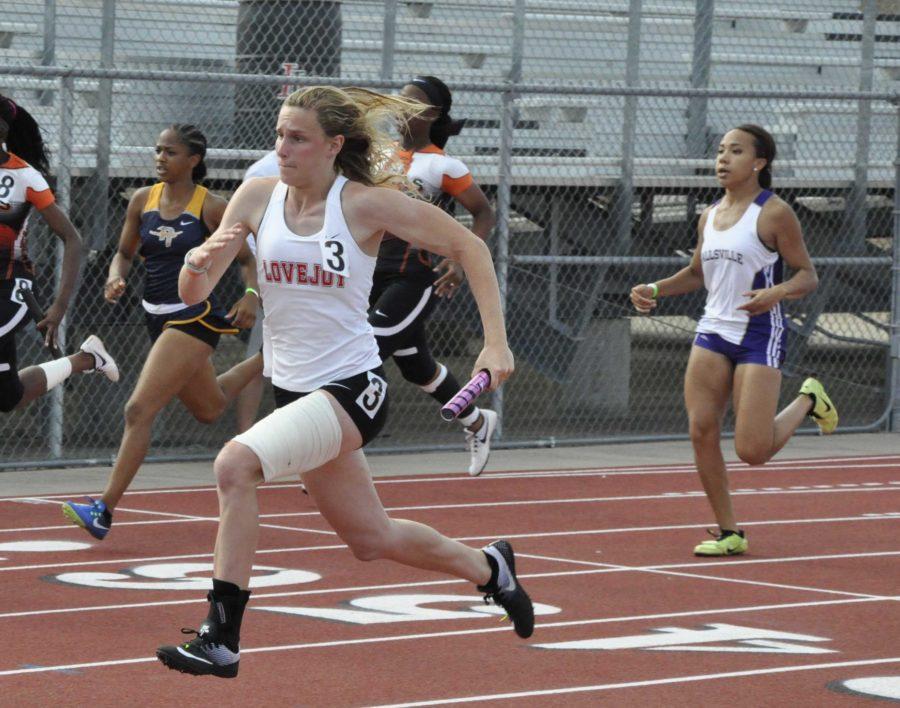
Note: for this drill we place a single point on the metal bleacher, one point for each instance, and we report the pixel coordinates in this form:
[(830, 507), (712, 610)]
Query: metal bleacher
[(566, 42)]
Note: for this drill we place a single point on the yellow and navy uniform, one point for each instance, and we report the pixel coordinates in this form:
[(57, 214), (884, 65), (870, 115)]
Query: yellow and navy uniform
[(164, 244)]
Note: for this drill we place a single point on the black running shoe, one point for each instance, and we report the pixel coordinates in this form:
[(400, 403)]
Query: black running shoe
[(512, 596), (205, 654)]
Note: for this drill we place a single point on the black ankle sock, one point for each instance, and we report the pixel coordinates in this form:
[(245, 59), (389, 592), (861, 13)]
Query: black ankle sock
[(491, 584), (725, 533), (222, 588), (227, 603)]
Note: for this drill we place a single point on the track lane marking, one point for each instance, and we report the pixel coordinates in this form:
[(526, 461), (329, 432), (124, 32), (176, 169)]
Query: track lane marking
[(455, 581), (638, 684), (457, 633), (805, 465), (667, 496)]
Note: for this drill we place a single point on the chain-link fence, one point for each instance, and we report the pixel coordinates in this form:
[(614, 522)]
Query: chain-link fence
[(592, 127)]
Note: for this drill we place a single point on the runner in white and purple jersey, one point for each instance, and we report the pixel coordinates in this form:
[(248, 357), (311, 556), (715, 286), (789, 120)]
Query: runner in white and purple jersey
[(745, 240)]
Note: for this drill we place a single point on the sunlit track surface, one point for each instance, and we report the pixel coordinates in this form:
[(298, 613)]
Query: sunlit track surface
[(625, 612)]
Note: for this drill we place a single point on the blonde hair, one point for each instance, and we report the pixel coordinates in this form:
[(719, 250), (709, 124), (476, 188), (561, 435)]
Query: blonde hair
[(362, 117)]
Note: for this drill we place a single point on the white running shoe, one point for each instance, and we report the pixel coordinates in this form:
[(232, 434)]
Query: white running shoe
[(479, 443), (103, 361)]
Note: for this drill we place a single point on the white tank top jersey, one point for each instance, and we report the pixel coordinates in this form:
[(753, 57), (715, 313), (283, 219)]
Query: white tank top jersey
[(315, 291), (736, 261), (436, 173)]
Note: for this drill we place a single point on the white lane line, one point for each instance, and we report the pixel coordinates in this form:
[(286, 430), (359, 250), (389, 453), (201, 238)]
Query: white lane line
[(768, 491), (542, 534), (743, 581), (174, 518), (464, 632), (810, 465), (454, 581), (639, 684)]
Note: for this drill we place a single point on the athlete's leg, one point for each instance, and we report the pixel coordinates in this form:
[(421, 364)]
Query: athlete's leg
[(173, 360), (207, 395), (707, 386), (759, 434), (35, 378), (246, 405), (344, 493)]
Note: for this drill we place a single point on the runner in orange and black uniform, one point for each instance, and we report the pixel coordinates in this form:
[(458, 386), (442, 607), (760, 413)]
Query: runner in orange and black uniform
[(23, 188), (408, 281)]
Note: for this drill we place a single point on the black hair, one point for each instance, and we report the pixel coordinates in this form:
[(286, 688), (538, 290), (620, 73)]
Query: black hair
[(439, 96), (764, 145), (24, 135), (195, 141)]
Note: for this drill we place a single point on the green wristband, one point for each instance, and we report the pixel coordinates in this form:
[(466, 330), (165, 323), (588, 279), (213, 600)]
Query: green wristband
[(251, 290), (655, 288)]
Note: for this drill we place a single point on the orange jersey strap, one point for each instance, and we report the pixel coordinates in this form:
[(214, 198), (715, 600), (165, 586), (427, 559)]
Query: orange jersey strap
[(454, 186)]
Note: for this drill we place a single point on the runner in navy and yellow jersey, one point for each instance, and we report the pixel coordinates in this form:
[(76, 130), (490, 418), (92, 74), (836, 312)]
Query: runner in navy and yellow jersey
[(162, 224)]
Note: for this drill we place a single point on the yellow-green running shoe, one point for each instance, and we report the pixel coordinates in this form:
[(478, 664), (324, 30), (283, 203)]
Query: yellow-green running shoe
[(823, 410), (730, 543)]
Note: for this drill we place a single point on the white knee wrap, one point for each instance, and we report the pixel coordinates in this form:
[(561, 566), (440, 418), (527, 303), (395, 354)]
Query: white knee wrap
[(296, 438)]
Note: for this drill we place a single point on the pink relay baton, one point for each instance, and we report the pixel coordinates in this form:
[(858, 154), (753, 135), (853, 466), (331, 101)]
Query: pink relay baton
[(468, 393)]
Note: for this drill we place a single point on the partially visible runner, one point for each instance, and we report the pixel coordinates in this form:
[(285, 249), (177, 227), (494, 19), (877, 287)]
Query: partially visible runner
[(318, 231), (162, 224), (744, 241), (24, 166), (247, 402), (407, 281)]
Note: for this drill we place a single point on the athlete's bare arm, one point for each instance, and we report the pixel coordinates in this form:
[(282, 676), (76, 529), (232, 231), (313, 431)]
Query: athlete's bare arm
[(373, 210), (129, 244), (242, 216)]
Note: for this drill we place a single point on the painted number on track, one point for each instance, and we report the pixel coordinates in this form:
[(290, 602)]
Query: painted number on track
[(713, 637), (181, 576)]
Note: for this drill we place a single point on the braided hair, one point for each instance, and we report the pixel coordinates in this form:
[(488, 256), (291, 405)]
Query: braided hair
[(23, 135), (439, 96), (195, 141)]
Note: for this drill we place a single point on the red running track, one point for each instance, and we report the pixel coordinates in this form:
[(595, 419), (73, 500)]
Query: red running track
[(626, 613)]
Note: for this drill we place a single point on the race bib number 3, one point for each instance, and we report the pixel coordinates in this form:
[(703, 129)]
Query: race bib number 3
[(372, 398), (334, 257)]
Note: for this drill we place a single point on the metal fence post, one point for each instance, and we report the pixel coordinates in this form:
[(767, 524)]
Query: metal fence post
[(855, 213), (63, 198), (894, 390), (388, 39), (100, 221), (629, 126), (48, 53), (504, 186), (700, 67)]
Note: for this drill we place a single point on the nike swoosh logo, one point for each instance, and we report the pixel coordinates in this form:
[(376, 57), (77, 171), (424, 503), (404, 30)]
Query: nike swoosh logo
[(192, 656), (379, 312), (341, 385), (185, 223), (96, 525)]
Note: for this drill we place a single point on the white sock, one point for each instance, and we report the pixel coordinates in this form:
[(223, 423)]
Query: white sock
[(502, 568), (56, 371), (438, 380), (471, 418)]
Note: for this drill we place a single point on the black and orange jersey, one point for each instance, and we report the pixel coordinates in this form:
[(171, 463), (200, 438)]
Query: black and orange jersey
[(165, 242), (439, 178), (21, 188)]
